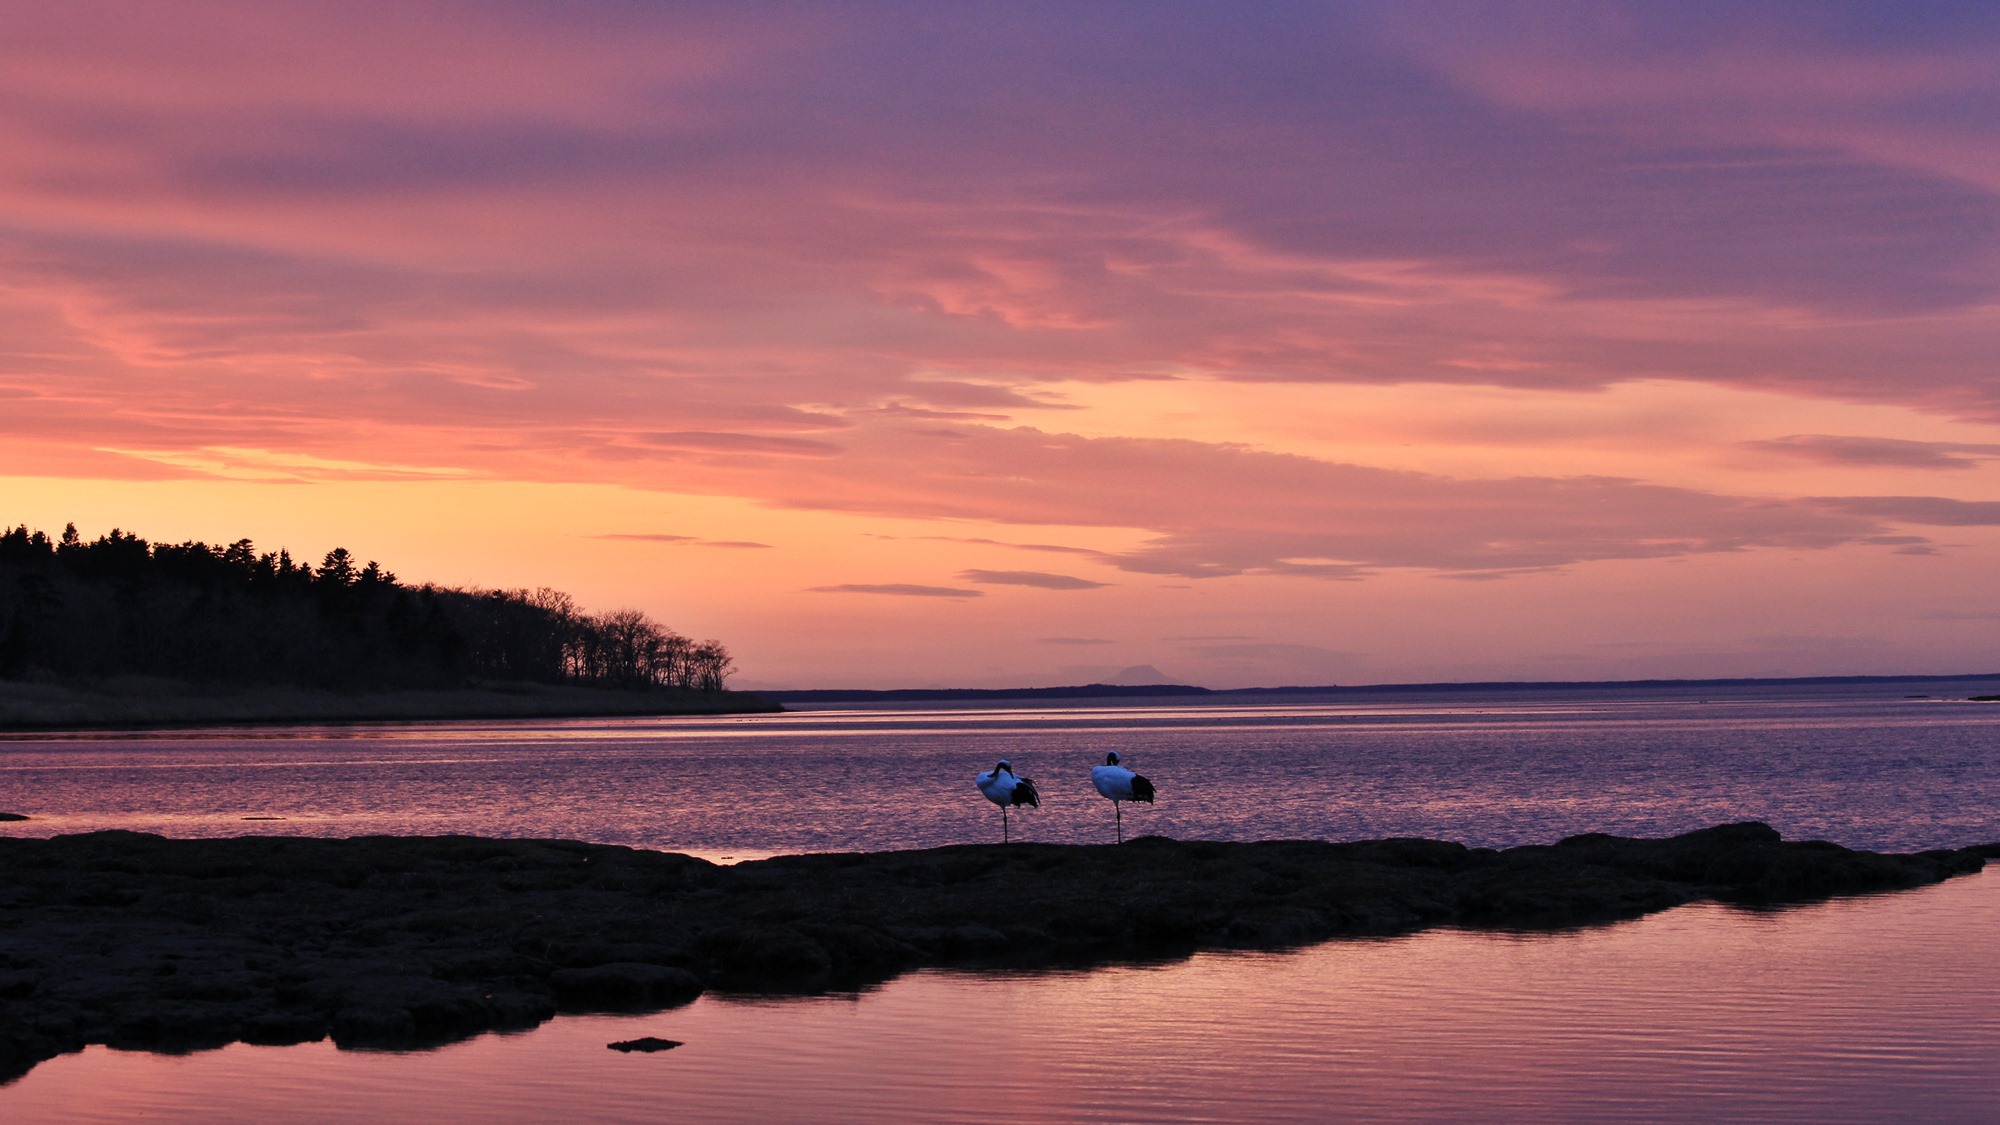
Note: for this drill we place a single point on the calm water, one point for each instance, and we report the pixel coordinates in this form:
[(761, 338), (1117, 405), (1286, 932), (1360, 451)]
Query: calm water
[(1863, 768), (1870, 1009), (1879, 1009)]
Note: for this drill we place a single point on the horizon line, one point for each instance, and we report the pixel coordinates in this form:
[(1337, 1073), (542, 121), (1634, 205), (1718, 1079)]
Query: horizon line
[(1196, 689)]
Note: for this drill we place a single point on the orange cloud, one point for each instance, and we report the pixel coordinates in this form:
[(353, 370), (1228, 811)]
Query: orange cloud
[(872, 263)]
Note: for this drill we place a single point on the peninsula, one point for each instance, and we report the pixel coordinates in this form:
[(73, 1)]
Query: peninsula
[(160, 702), (141, 942), (118, 631)]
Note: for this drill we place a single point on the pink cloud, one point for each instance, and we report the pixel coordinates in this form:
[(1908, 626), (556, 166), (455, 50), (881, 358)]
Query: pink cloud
[(686, 541), (1224, 510), (1034, 578), (1933, 511), (825, 258), (1832, 449), (628, 207), (896, 589)]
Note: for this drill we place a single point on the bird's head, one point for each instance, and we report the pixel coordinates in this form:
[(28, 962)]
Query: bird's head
[(1005, 766), (1111, 759)]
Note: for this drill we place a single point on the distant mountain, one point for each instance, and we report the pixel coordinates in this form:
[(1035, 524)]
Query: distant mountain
[(1140, 674)]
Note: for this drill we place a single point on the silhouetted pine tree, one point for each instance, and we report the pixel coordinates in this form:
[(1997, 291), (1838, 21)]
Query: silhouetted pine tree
[(118, 605)]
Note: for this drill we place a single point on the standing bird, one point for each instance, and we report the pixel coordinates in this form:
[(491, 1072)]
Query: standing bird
[(1121, 785), (1004, 788)]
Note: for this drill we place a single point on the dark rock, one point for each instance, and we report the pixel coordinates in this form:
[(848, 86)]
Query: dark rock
[(373, 1026), (623, 987), (766, 958), (283, 1029), (647, 1043), (9, 817), (134, 940), (516, 1011)]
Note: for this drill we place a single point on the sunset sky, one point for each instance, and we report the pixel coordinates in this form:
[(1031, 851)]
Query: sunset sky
[(992, 345)]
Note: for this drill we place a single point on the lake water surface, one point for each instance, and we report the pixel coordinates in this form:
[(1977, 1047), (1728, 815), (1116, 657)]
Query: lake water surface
[(1869, 1009)]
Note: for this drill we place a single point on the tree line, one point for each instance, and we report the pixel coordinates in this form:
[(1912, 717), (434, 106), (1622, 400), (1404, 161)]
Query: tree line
[(118, 605)]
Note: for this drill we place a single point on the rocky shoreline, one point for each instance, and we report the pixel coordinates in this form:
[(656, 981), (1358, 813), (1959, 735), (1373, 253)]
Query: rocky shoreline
[(142, 942)]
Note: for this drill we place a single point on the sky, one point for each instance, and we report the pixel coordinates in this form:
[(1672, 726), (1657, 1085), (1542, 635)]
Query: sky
[(996, 345)]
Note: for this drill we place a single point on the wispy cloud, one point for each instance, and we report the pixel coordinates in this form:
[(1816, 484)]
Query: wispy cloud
[(683, 248), (1034, 578), (685, 540), (1873, 452), (640, 537), (1932, 511), (1050, 548), (896, 589), (1220, 510), (739, 443)]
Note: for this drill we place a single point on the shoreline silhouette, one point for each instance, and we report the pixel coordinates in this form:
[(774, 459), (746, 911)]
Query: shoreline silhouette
[(143, 942)]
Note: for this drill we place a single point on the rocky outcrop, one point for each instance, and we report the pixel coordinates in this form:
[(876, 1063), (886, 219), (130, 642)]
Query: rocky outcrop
[(645, 1044), (142, 942)]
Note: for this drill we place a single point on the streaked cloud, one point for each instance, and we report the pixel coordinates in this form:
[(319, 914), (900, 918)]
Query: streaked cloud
[(896, 589), (1870, 452), (740, 443), (1933, 511), (1035, 578), (882, 283), (1051, 548), (685, 541), (1220, 510)]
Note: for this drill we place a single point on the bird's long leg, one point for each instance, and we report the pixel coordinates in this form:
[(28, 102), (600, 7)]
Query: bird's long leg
[(1003, 824), (1118, 810)]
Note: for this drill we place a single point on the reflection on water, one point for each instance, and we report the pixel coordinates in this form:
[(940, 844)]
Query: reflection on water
[(1859, 1010), (1862, 766), (1874, 1009)]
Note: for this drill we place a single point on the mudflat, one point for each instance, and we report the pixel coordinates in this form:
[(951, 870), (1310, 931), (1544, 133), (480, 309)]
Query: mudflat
[(143, 942)]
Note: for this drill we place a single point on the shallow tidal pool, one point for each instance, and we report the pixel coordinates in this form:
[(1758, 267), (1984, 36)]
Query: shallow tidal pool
[(1873, 1009)]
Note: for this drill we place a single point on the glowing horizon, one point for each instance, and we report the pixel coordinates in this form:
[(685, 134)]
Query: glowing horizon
[(897, 346)]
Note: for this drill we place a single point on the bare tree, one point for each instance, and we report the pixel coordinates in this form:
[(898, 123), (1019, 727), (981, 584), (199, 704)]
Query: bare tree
[(711, 666)]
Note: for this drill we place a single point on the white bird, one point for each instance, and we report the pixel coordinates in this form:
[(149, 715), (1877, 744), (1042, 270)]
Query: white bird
[(1121, 785), (1006, 789)]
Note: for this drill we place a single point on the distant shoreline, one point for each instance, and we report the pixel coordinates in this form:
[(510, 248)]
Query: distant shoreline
[(1169, 691), (135, 702), (142, 702)]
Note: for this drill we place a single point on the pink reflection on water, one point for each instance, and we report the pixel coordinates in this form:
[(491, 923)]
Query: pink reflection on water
[(1855, 768), (1861, 1010)]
